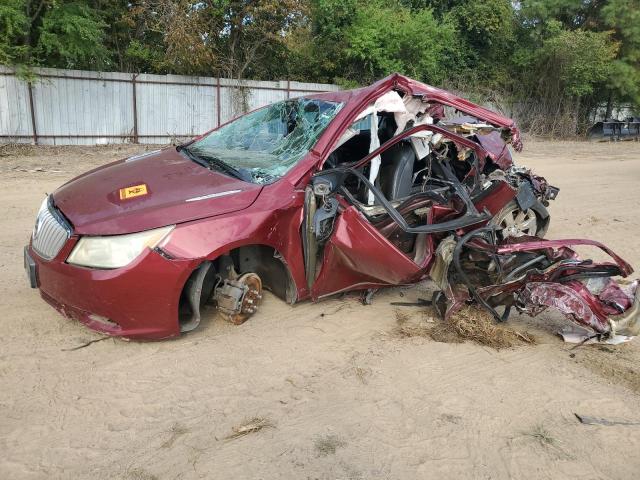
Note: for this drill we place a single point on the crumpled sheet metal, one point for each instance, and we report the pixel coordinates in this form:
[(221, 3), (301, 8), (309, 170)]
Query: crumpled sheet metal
[(614, 295), (537, 296), (562, 246), (627, 323), (573, 286), (440, 268)]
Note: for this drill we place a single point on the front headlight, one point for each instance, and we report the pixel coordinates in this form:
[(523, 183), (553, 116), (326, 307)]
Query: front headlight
[(115, 251), (43, 207)]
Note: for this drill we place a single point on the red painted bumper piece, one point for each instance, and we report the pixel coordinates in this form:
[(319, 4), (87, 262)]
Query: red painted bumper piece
[(136, 301)]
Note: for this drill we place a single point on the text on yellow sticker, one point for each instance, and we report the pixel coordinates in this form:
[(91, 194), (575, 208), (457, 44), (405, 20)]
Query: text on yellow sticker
[(135, 191)]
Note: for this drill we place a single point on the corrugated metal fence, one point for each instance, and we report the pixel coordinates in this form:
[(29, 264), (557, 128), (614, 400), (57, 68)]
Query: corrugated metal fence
[(73, 107)]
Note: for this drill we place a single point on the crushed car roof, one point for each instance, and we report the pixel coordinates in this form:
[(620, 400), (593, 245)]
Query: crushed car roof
[(429, 94)]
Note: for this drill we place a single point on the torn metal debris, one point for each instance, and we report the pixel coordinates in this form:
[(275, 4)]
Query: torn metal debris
[(531, 274), (588, 420)]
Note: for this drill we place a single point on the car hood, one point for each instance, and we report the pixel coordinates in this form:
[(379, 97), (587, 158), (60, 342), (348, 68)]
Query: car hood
[(148, 191)]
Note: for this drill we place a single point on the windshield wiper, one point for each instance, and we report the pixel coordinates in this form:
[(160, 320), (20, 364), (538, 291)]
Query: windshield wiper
[(192, 156), (242, 174), (212, 162)]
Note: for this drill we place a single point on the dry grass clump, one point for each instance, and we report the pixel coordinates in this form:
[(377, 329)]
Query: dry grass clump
[(545, 439), (250, 426), (328, 444), (406, 327), (176, 431), (17, 149), (361, 373), (469, 323), (29, 150), (402, 317), (140, 474), (540, 434)]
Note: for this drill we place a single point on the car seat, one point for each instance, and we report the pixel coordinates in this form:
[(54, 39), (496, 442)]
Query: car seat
[(396, 172)]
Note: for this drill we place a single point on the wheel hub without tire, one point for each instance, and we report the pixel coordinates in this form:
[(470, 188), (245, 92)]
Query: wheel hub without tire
[(239, 299)]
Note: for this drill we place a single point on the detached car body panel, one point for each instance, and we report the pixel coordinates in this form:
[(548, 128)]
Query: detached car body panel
[(308, 197)]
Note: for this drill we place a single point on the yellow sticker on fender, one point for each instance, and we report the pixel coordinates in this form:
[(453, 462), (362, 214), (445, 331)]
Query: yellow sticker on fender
[(135, 191)]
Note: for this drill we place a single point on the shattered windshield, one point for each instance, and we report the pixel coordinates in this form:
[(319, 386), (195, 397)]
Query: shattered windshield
[(263, 145)]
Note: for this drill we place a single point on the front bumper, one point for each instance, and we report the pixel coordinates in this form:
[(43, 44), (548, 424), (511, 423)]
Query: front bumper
[(137, 301)]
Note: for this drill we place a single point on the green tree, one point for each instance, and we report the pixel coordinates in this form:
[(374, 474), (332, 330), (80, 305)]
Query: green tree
[(488, 28), (52, 33), (72, 36), (13, 25), (232, 38), (355, 42), (317, 46), (617, 21), (387, 38), (623, 18), (576, 61), (572, 14)]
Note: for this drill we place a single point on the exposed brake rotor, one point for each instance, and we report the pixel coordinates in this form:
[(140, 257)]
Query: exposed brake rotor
[(239, 299)]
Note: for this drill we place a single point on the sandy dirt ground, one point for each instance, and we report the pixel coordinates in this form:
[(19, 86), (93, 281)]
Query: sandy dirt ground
[(339, 393)]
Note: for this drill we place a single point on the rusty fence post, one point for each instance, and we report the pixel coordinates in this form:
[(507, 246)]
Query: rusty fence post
[(135, 108), (218, 107), (33, 114), (288, 88)]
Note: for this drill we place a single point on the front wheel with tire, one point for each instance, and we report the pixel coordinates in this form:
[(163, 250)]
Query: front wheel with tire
[(512, 221)]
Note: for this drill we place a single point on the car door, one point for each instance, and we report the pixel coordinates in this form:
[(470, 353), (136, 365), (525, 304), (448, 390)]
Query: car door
[(353, 243), (357, 254)]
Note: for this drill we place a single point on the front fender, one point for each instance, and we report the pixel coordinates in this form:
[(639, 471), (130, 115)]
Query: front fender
[(274, 220)]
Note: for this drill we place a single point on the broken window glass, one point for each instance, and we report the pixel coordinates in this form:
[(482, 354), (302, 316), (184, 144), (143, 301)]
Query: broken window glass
[(269, 141)]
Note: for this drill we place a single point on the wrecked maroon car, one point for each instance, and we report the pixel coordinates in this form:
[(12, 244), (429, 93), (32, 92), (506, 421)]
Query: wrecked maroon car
[(353, 190)]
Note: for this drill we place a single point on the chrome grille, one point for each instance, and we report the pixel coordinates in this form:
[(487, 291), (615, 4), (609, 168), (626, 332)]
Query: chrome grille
[(49, 233)]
